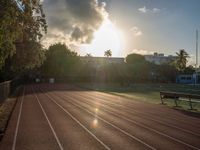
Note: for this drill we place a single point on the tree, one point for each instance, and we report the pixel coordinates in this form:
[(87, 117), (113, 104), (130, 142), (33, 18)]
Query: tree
[(135, 58), (181, 60), (166, 73), (59, 60), (28, 55), (108, 53), (189, 70), (88, 55), (139, 69), (21, 28), (33, 21), (10, 29)]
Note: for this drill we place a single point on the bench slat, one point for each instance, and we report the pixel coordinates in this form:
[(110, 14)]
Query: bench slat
[(192, 98)]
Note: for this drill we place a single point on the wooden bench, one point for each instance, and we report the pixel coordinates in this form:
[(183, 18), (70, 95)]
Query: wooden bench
[(190, 98)]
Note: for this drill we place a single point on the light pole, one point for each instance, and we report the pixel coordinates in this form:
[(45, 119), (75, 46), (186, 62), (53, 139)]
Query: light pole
[(197, 38), (197, 55)]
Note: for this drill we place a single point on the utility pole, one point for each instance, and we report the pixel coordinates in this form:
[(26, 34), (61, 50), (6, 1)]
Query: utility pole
[(197, 45), (197, 38)]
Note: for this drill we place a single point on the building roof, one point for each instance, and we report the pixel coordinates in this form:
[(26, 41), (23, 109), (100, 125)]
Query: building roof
[(103, 59)]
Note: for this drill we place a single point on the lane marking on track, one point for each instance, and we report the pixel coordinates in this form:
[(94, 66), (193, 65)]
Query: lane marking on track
[(145, 115), (99, 94), (126, 133), (141, 125), (76, 120), (18, 121), (52, 129)]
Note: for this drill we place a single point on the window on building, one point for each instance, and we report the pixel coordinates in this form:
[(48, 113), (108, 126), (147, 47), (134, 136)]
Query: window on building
[(183, 78)]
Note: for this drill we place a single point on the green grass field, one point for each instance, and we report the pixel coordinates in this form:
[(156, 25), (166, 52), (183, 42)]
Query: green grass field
[(148, 92)]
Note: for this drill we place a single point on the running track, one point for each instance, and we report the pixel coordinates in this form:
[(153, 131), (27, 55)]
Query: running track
[(58, 117)]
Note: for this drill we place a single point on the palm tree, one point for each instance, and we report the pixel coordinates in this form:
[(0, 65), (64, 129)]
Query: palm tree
[(108, 53), (88, 55), (181, 60)]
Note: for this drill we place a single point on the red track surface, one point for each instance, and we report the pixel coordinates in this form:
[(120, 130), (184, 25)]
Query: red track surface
[(51, 117)]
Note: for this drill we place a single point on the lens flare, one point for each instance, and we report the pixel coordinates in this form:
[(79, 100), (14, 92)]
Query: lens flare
[(96, 110), (95, 122)]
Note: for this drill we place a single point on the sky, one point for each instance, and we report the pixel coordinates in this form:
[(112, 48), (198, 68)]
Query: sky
[(124, 26)]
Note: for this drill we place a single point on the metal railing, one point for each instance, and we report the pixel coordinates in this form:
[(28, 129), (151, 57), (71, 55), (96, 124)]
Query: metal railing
[(8, 87), (4, 90)]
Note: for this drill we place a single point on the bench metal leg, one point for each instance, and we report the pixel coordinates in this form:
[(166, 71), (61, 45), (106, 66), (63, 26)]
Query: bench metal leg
[(175, 101), (161, 100), (191, 107)]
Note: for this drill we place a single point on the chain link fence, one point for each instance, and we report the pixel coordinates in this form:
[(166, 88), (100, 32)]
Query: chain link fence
[(8, 87)]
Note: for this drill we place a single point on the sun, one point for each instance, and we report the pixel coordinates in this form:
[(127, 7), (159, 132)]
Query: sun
[(107, 37)]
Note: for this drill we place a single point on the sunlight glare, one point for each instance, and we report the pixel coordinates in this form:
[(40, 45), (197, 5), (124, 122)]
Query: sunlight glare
[(107, 37), (96, 110), (95, 122)]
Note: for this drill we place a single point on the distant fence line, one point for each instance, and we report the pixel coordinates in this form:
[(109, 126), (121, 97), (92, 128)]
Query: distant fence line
[(4, 90), (7, 87)]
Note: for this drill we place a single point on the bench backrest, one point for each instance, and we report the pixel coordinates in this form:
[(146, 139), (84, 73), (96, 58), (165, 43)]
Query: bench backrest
[(176, 94)]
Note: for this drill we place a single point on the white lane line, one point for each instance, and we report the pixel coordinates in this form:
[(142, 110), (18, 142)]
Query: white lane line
[(143, 126), (126, 133), (144, 115), (98, 96), (18, 121), (94, 136), (52, 129)]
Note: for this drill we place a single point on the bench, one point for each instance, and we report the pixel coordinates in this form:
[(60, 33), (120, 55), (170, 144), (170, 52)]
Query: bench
[(190, 98)]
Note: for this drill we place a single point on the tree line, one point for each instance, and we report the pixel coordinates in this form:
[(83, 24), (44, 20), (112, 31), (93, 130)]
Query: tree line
[(23, 24), (66, 65)]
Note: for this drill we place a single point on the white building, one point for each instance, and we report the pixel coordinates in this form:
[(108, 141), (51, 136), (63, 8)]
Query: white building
[(155, 58), (159, 58), (196, 76), (189, 78)]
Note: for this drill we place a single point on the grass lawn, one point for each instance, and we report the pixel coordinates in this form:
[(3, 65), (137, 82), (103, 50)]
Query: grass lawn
[(147, 92)]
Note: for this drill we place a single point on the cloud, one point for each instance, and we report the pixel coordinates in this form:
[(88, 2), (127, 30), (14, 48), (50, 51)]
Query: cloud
[(141, 52), (155, 10), (136, 31), (73, 21), (144, 9)]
